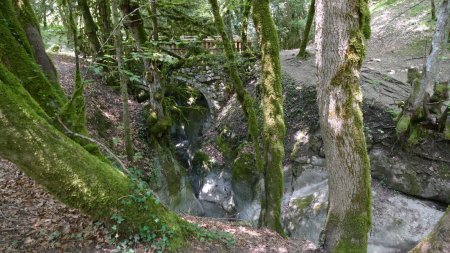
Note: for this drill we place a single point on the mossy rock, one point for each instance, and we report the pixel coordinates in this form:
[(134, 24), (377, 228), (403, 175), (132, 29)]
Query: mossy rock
[(303, 203)]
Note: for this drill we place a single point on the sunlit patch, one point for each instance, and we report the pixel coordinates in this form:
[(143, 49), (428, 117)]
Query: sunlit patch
[(302, 136)]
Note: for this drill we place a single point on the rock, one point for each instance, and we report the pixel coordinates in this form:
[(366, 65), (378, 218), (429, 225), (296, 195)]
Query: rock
[(399, 221), (318, 161), (302, 160), (410, 175)]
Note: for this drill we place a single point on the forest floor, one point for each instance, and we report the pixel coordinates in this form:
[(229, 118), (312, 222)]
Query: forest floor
[(31, 220)]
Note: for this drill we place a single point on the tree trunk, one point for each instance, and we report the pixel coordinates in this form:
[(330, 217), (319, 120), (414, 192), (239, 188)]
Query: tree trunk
[(243, 96), (274, 129), (63, 167), (91, 29), (302, 53), (438, 240), (433, 10), (339, 59), (154, 19), (123, 82), (30, 25), (21, 63), (157, 120), (70, 173), (106, 28), (416, 110), (247, 6)]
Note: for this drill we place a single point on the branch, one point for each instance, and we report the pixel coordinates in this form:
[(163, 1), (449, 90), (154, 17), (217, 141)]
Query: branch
[(122, 165)]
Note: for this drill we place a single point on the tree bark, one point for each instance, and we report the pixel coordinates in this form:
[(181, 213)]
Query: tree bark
[(247, 6), (302, 53), (64, 168), (30, 25), (136, 26), (69, 172), (433, 10), (91, 29), (339, 59), (438, 240), (274, 128), (104, 10), (243, 96), (416, 110), (21, 62), (123, 82), (154, 13)]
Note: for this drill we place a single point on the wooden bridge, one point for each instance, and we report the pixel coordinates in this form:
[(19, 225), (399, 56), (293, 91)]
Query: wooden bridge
[(213, 44)]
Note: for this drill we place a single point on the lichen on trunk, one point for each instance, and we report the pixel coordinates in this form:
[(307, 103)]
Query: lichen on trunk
[(338, 60)]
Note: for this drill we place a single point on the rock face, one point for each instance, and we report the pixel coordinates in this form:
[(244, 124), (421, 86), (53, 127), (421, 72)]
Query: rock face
[(229, 187), (410, 175)]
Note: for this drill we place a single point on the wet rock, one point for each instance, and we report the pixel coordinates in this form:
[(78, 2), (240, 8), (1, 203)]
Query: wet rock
[(410, 175), (318, 161), (399, 221)]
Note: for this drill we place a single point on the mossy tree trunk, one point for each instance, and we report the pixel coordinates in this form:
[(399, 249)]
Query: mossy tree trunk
[(302, 53), (21, 61), (30, 140), (157, 120), (154, 10), (123, 82), (416, 112), (69, 172), (91, 29), (243, 95), (74, 112), (104, 11), (339, 59), (30, 25), (433, 10), (246, 10), (274, 128), (438, 240)]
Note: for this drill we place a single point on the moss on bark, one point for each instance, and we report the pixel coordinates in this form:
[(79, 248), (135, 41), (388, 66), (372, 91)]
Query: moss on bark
[(274, 128), (68, 171), (19, 61), (243, 95)]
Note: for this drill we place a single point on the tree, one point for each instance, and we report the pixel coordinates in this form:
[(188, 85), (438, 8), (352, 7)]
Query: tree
[(438, 240), (433, 10), (274, 128), (157, 120), (91, 29), (416, 112), (123, 82), (246, 9), (302, 53), (339, 59), (243, 95), (31, 140)]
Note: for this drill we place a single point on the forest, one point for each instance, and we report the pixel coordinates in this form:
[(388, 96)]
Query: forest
[(225, 126)]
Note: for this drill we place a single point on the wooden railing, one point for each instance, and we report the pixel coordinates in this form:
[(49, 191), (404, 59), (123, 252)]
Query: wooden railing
[(212, 44)]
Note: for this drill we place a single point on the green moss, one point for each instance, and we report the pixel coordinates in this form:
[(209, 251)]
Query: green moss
[(274, 128), (243, 96), (402, 124), (243, 168), (365, 18), (18, 61), (303, 203), (413, 186), (68, 171)]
